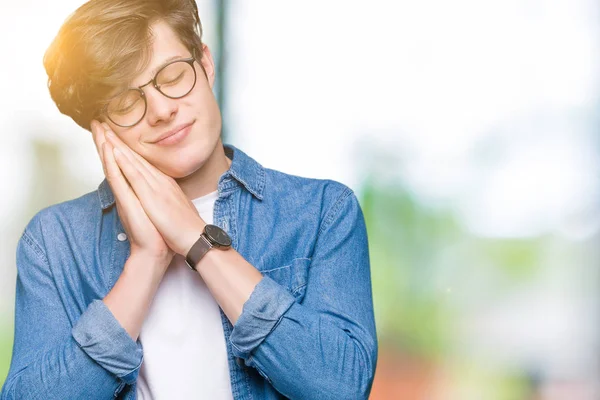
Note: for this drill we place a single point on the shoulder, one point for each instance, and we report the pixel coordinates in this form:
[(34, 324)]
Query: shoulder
[(66, 218), (327, 196)]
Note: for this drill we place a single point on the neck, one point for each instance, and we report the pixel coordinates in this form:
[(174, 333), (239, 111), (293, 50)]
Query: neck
[(205, 180)]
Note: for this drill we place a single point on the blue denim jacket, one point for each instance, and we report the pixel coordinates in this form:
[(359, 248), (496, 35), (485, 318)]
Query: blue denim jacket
[(306, 332)]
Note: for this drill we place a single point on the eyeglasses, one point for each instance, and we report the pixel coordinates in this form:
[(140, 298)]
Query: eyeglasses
[(174, 80)]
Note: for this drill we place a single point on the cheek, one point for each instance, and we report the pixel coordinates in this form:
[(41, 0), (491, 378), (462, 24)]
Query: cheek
[(202, 107), (135, 143), (202, 94), (134, 140), (207, 107)]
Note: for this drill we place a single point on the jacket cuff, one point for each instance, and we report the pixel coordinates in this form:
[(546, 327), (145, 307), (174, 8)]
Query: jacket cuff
[(100, 335), (260, 315)]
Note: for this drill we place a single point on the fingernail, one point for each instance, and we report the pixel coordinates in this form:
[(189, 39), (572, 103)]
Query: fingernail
[(110, 134)]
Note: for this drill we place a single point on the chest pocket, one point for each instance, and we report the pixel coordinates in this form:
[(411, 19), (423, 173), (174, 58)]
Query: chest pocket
[(293, 276)]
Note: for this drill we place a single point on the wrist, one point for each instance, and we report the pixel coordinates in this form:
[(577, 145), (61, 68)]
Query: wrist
[(190, 238), (139, 261), (211, 237)]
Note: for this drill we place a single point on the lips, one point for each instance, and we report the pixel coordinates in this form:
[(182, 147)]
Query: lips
[(172, 132)]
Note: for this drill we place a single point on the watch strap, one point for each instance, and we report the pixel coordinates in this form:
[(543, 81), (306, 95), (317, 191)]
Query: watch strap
[(198, 250)]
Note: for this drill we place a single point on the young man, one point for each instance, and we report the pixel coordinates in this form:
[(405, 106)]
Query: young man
[(237, 281)]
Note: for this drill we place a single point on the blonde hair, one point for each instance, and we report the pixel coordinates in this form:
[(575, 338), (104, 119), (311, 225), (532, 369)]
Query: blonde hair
[(104, 44)]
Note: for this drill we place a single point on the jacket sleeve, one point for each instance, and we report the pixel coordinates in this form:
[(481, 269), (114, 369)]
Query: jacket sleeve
[(54, 358), (326, 345)]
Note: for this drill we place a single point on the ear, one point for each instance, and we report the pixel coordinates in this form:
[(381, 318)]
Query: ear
[(208, 65)]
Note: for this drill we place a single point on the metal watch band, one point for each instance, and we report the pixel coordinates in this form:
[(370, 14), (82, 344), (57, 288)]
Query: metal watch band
[(198, 250)]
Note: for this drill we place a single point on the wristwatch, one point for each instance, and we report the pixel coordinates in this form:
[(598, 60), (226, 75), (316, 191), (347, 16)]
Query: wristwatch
[(213, 236)]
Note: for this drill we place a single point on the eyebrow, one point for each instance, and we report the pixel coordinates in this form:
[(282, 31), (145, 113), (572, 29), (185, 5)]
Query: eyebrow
[(165, 62), (155, 70)]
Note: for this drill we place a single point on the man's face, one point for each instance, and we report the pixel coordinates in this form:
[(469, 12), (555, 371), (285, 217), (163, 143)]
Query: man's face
[(198, 110)]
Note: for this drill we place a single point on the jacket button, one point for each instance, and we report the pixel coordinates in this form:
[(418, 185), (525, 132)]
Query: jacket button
[(121, 237)]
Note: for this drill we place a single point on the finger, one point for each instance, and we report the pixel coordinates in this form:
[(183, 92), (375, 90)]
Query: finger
[(138, 161), (138, 181), (155, 172), (133, 158), (121, 188), (99, 139), (128, 205), (102, 152)]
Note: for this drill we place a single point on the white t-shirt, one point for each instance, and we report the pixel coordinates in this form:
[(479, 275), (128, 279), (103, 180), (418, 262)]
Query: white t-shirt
[(184, 346)]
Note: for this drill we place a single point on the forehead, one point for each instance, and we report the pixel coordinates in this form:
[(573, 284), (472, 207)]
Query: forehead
[(165, 46)]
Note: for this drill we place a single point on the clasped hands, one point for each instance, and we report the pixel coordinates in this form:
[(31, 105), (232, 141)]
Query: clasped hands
[(159, 218)]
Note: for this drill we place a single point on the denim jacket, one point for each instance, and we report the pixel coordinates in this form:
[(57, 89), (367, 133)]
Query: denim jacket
[(307, 330)]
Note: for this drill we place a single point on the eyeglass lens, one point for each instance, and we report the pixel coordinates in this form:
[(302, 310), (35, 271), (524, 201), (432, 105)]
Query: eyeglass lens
[(174, 81)]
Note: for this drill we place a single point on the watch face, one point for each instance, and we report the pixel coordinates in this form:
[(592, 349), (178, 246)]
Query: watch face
[(217, 235)]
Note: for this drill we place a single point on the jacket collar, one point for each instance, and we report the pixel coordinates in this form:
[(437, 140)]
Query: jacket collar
[(244, 169)]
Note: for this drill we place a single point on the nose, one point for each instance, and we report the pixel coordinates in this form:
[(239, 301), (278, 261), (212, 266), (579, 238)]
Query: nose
[(160, 108)]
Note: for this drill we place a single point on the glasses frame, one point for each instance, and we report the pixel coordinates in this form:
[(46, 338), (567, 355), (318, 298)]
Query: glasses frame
[(152, 81)]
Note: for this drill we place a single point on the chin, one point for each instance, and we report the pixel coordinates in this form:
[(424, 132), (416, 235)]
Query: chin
[(183, 161), (181, 169)]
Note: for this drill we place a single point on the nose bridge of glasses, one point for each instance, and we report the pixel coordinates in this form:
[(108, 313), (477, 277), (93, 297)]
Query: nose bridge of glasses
[(158, 104), (151, 81)]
